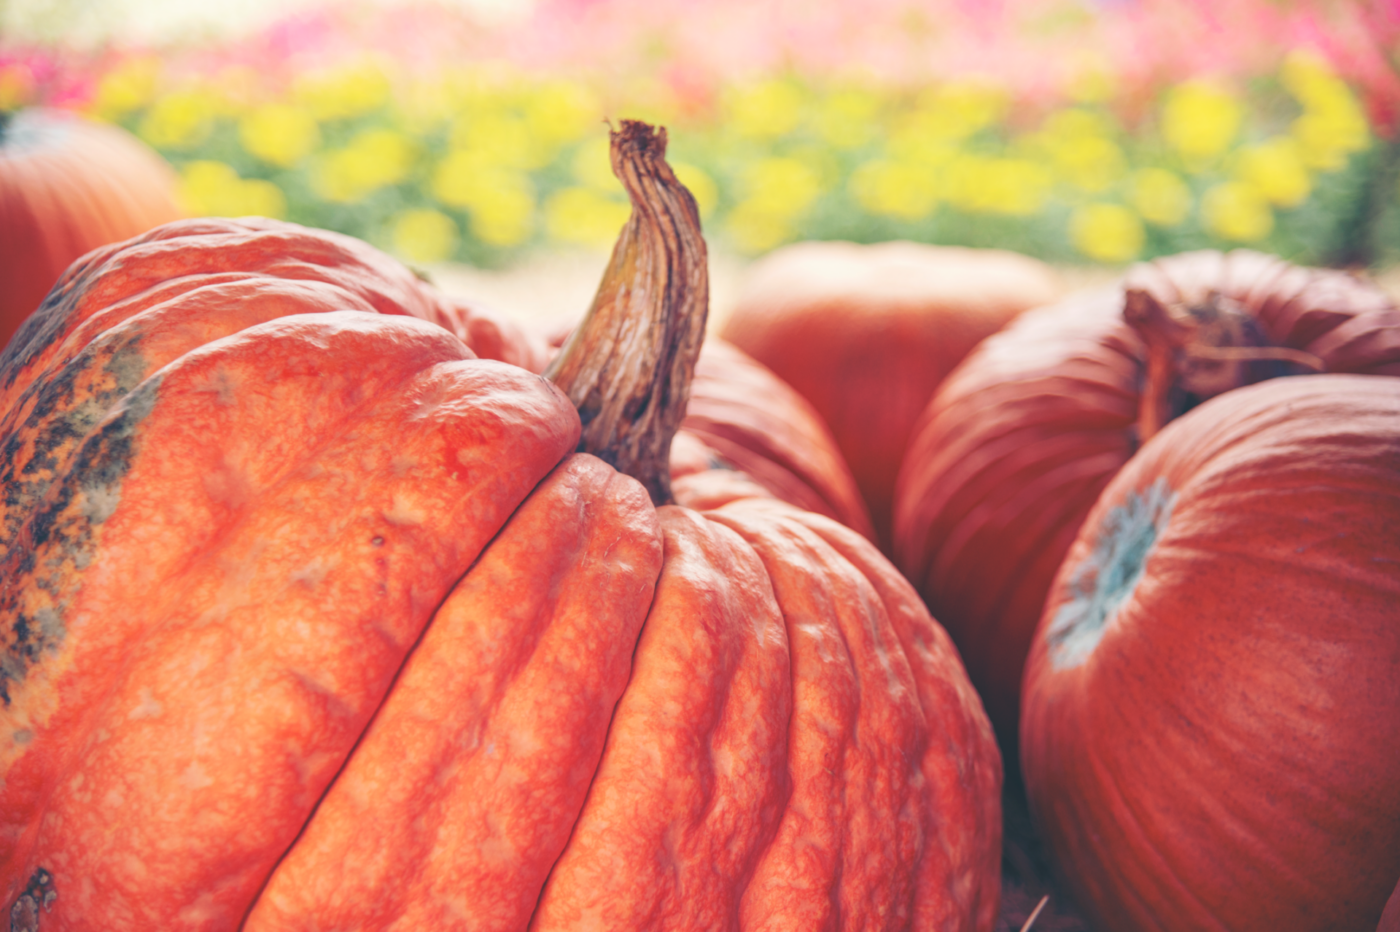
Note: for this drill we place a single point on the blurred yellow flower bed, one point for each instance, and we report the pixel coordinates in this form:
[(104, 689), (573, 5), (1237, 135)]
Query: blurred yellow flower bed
[(480, 163)]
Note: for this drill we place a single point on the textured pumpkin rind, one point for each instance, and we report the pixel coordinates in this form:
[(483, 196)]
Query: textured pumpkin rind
[(867, 332), (1225, 756), (233, 540), (478, 762), (207, 608), (1015, 446), (759, 425), (828, 786), (960, 881), (1010, 454), (129, 309), (80, 186)]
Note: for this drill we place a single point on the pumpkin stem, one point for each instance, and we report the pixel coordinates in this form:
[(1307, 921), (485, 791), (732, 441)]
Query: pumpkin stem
[(628, 366), (1199, 351)]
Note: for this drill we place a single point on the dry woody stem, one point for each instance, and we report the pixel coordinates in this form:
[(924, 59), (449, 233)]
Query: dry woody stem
[(629, 364), (1200, 351)]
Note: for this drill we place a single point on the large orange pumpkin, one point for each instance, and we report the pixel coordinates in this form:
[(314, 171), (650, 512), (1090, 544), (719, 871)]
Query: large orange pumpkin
[(69, 185), (867, 332), (1209, 735), (1017, 444), (313, 620)]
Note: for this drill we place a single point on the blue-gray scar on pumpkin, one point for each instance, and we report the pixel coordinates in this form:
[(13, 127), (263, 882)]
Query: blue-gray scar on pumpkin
[(1106, 578)]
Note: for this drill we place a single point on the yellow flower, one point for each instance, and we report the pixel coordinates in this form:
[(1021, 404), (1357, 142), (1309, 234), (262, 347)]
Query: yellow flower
[(214, 189), (561, 112), (344, 91), (777, 190), (373, 159), (282, 134), (1332, 125), (958, 109), (1012, 186), (501, 138), (765, 110), (424, 235), (848, 118), (1311, 80), (584, 216), (895, 189), (1160, 196), (425, 105), (501, 201), (129, 86), (1275, 169), (1200, 120), (1083, 157), (262, 198), (1106, 232), (1326, 139), (781, 187), (504, 215), (1236, 211), (701, 186), (592, 165), (755, 230), (179, 120)]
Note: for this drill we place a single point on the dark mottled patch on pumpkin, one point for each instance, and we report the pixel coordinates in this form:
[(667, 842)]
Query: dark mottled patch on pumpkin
[(64, 407), (38, 898), (61, 539)]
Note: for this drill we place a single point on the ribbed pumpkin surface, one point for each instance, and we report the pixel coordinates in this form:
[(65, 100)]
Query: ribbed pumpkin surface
[(1019, 441), (751, 421), (313, 620), (1209, 736), (69, 185)]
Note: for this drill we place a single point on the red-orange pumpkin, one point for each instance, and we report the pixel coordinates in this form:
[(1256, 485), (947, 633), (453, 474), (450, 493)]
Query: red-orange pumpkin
[(867, 332), (1209, 734), (746, 419), (69, 185), (1390, 918), (1018, 443), (313, 620)]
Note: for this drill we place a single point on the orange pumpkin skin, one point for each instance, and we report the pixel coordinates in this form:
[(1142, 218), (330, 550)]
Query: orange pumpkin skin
[(228, 519), (1208, 734), (283, 563), (867, 332), (749, 420), (1017, 444), (67, 186)]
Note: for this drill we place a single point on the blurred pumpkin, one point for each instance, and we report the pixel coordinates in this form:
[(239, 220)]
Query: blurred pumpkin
[(1209, 733), (67, 186), (867, 332), (282, 561), (1017, 444)]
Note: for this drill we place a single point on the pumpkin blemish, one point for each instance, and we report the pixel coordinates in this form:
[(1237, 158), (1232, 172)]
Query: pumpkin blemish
[(1107, 578)]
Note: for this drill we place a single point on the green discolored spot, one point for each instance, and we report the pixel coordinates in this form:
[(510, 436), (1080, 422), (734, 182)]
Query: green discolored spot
[(1105, 579)]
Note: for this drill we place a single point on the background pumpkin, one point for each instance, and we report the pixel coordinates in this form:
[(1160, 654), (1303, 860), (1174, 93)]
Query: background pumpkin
[(1017, 444), (1209, 732), (69, 185), (236, 503), (867, 332)]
